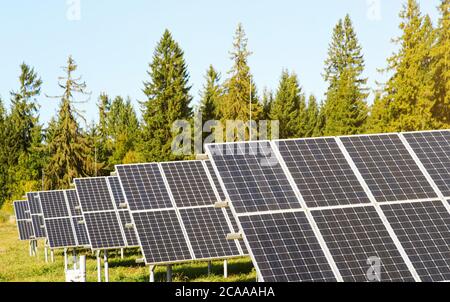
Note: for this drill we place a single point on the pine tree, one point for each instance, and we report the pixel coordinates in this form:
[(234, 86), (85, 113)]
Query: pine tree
[(69, 148), (289, 107), (312, 117), (345, 108), (378, 119), (266, 104), (409, 92), (441, 68), (210, 97), (239, 85), (168, 99), (3, 155)]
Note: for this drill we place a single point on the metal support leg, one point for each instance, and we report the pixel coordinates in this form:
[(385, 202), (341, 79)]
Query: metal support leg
[(83, 268), (121, 253), (169, 273), (99, 267), (105, 260), (209, 267), (52, 256), (65, 259), (74, 253), (46, 253), (31, 248), (152, 273), (225, 269)]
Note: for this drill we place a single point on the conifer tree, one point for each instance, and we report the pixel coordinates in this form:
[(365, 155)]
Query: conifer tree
[(123, 129), (289, 107), (210, 97), (441, 68), (69, 149), (168, 99), (312, 117), (378, 119), (266, 104), (345, 108), (409, 92), (239, 86), (3, 155)]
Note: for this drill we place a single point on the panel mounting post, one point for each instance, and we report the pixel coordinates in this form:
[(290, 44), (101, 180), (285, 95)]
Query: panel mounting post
[(99, 267), (169, 273), (74, 254), (105, 260), (65, 260), (152, 273), (209, 267), (121, 253), (52, 256), (225, 269)]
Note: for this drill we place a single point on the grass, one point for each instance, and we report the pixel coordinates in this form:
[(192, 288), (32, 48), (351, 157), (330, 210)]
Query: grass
[(17, 266)]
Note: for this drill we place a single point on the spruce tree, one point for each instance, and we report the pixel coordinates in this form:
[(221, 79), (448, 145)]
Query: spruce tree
[(123, 129), (440, 70), (312, 117), (345, 108), (409, 91), (289, 107), (69, 149), (210, 97), (3, 155), (168, 99), (239, 86), (266, 104)]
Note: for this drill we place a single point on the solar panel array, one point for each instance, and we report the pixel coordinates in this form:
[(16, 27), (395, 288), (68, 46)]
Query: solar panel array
[(357, 208), (172, 208), (23, 219), (102, 220), (37, 217)]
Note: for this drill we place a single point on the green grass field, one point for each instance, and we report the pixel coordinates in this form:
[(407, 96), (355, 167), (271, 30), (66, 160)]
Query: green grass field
[(17, 266)]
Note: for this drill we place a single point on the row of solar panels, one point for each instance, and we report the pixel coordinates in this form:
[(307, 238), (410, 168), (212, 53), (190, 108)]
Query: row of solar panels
[(354, 208), (372, 207), (182, 226)]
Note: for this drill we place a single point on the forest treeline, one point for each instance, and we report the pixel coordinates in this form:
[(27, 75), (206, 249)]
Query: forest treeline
[(416, 96)]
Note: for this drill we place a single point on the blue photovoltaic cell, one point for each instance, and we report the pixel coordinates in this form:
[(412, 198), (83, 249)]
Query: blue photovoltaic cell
[(93, 194), (116, 190), (53, 204)]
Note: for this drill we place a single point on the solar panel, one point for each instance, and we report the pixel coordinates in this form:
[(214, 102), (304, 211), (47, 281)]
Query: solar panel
[(181, 177), (104, 230), (423, 228), (387, 167), (207, 230), (58, 222), (254, 178), (321, 172), (136, 180), (161, 237), (354, 236), (130, 232), (433, 150), (116, 190), (74, 203), (173, 203), (102, 220), (23, 219), (285, 247), (21, 209), (36, 215), (80, 231)]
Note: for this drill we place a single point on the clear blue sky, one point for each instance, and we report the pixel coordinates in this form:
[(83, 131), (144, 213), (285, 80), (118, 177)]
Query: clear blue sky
[(114, 40)]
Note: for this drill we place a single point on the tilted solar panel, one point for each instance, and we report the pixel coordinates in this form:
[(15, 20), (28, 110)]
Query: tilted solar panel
[(215, 180), (80, 231), (74, 203), (101, 218), (285, 247), (176, 206), (387, 167), (116, 190), (180, 177), (136, 180), (433, 150), (321, 172), (23, 219), (356, 236), (34, 204), (254, 178), (130, 232), (36, 215), (423, 229), (59, 226)]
